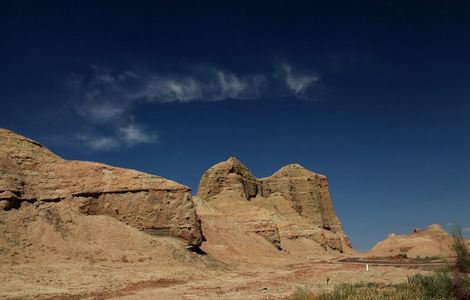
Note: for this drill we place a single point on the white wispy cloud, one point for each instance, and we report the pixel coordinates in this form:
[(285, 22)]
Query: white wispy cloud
[(123, 137), (298, 83), (466, 229), (99, 143), (103, 96), (106, 98), (132, 134)]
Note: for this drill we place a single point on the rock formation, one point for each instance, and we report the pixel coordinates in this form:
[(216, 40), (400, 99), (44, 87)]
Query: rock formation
[(433, 241), (291, 210), (30, 173)]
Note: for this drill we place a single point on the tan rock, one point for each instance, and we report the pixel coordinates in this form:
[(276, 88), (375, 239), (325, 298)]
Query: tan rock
[(307, 192), (433, 241), (228, 175), (30, 172), (266, 229), (292, 206), (4, 204)]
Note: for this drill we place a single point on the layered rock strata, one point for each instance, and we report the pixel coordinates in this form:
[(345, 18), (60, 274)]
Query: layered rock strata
[(31, 173), (291, 209)]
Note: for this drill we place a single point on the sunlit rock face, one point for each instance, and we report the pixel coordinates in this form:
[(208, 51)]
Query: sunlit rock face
[(31, 173), (291, 209)]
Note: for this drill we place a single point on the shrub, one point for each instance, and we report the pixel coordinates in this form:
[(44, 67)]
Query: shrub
[(363, 291), (302, 293), (462, 263), (436, 286)]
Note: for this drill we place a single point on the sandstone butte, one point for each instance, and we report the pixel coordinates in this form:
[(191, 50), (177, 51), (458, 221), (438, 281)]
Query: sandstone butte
[(30, 173), (289, 213)]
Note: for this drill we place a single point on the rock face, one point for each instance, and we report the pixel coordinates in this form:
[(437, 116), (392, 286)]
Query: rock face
[(291, 209), (31, 173), (232, 175), (433, 241), (306, 191)]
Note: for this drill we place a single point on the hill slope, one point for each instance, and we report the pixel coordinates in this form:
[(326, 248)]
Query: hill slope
[(433, 241)]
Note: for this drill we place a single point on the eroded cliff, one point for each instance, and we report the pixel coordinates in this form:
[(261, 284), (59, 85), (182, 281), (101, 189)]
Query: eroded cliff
[(291, 210), (31, 174)]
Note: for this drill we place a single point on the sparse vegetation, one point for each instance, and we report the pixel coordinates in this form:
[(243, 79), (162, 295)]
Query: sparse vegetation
[(302, 293), (363, 291), (440, 285), (462, 264), (451, 283), (427, 258)]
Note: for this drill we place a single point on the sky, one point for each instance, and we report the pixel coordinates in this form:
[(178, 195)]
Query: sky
[(373, 94)]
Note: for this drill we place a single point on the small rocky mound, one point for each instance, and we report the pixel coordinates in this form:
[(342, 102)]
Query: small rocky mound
[(433, 242), (290, 210), (30, 173)]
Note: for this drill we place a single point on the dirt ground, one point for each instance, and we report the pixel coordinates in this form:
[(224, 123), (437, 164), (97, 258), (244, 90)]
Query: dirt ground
[(151, 281)]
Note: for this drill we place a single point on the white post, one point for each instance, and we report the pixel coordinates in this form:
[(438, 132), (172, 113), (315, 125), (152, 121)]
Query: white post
[(367, 267)]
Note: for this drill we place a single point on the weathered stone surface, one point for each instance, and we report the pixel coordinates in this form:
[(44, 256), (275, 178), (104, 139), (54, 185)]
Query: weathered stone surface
[(228, 175), (293, 203), (307, 192), (433, 241), (30, 172), (266, 229)]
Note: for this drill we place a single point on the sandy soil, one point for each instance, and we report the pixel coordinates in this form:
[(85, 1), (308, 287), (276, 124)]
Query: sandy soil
[(152, 281)]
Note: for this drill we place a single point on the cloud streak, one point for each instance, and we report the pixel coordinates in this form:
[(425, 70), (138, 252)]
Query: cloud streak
[(298, 83), (106, 98), (124, 137)]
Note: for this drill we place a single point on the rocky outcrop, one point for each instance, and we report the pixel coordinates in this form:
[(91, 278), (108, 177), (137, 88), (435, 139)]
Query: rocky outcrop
[(232, 175), (31, 173), (266, 229), (293, 205), (433, 241), (307, 192)]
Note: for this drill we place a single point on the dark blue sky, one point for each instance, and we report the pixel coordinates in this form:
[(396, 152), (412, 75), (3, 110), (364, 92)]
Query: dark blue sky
[(375, 95)]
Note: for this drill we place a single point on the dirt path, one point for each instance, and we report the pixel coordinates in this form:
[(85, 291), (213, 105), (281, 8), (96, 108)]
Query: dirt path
[(266, 283), (382, 262)]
